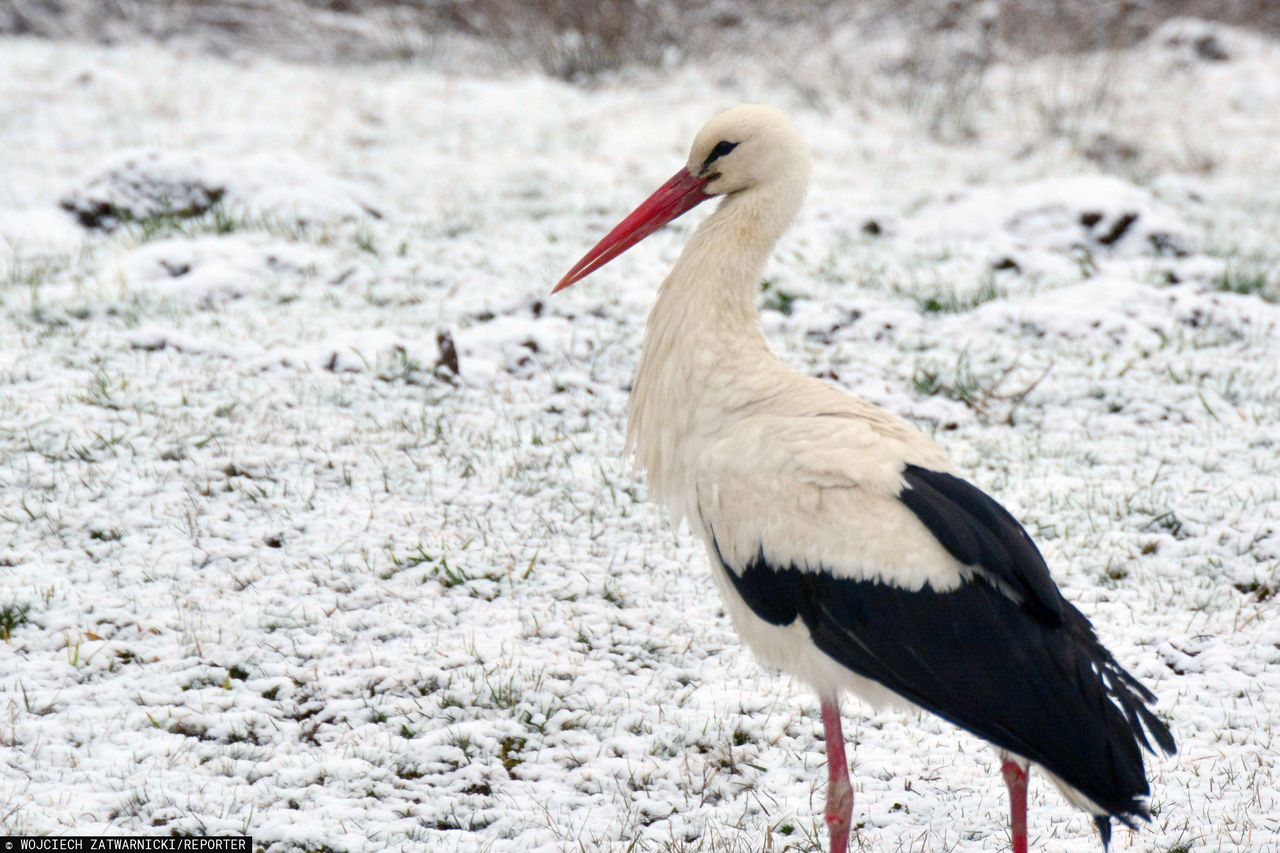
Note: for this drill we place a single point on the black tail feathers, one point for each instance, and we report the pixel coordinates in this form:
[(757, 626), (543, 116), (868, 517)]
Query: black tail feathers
[(1104, 830)]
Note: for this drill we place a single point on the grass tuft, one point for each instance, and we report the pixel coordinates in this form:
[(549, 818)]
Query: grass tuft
[(977, 391), (1247, 279), (509, 752), (451, 576), (217, 221), (952, 301), (12, 617), (776, 299)]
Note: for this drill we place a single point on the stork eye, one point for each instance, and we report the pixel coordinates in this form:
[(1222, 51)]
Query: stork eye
[(722, 148)]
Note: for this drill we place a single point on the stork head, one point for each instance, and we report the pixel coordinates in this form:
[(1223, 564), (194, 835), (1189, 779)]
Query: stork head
[(746, 147), (746, 150)]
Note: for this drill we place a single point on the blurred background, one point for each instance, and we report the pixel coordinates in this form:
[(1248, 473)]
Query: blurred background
[(580, 41), (939, 60)]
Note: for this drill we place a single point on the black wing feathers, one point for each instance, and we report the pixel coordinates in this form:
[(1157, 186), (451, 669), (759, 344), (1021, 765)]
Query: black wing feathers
[(760, 590), (977, 531), (1023, 671)]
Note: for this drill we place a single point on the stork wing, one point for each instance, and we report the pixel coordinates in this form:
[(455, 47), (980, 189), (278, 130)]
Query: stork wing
[(915, 579)]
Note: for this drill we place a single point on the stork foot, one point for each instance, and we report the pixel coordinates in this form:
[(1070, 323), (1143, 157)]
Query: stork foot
[(839, 811), (1015, 779)]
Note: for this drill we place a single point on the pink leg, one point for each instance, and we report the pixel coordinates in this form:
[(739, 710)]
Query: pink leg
[(839, 791), (1015, 778)]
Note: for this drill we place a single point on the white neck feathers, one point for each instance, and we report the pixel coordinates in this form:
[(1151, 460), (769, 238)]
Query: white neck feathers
[(704, 356)]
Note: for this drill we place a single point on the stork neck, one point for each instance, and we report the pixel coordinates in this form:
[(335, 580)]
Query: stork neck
[(704, 355), (713, 285)]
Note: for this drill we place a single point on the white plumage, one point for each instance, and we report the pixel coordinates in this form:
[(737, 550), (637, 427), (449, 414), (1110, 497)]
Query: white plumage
[(836, 532)]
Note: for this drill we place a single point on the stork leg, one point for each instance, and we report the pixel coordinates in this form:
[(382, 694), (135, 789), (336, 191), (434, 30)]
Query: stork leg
[(1015, 779), (839, 792)]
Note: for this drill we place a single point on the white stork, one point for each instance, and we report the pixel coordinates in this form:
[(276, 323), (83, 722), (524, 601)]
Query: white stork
[(849, 552)]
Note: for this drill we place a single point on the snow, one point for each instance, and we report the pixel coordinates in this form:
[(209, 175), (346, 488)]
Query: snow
[(1098, 212), (284, 572), (1107, 308), (139, 185)]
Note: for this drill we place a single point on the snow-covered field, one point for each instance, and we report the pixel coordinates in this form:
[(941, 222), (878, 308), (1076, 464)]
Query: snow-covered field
[(269, 565)]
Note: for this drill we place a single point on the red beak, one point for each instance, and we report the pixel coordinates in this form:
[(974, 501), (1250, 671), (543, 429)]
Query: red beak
[(677, 196)]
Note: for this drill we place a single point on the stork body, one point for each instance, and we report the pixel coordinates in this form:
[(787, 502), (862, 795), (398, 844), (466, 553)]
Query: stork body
[(847, 549)]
